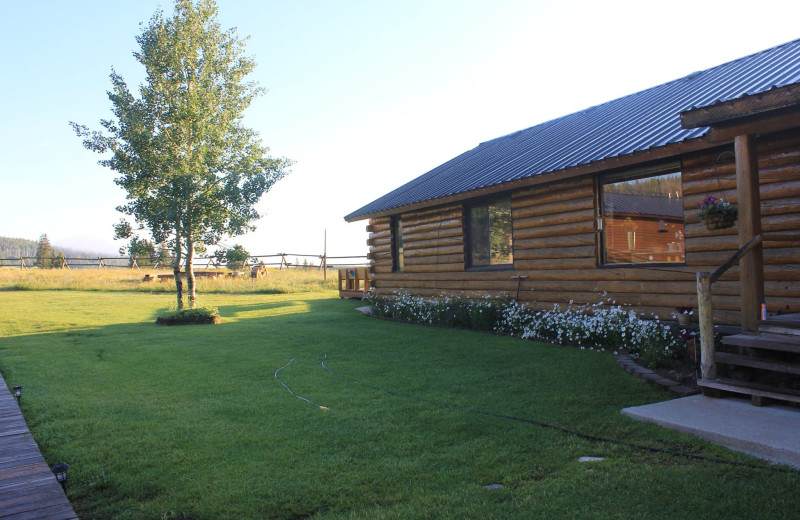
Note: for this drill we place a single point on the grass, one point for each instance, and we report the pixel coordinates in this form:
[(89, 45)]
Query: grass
[(276, 282), (190, 422)]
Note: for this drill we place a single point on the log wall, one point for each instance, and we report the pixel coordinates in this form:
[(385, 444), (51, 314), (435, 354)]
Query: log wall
[(556, 243)]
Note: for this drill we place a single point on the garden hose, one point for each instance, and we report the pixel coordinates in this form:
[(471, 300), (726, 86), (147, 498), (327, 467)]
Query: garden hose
[(321, 407), (561, 429)]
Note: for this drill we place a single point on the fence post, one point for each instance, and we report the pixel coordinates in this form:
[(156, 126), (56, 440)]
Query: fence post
[(708, 366)]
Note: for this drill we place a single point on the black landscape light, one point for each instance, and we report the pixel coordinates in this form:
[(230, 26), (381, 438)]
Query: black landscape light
[(60, 471), (18, 393)]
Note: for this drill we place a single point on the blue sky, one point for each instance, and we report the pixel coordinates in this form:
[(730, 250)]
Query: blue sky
[(363, 95)]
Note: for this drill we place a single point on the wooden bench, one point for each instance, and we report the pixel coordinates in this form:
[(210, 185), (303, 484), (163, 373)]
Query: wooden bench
[(354, 282), (198, 274)]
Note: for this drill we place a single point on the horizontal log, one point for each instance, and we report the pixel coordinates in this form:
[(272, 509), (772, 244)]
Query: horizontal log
[(434, 251), (378, 242), (381, 248), (437, 233), (780, 238), (554, 219), (706, 169), (441, 210), (435, 259), (428, 226), (779, 206), (537, 210), (497, 286), (703, 186), (436, 242), (728, 243), (784, 222), (380, 234), (577, 228), (562, 194), (769, 223), (555, 252), (564, 263), (782, 256), (698, 230), (775, 187), (379, 269), (772, 173), (434, 268), (381, 226), (586, 239), (780, 190), (774, 290)]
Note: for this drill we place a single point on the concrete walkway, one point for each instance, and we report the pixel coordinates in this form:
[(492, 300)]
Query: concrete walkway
[(767, 432)]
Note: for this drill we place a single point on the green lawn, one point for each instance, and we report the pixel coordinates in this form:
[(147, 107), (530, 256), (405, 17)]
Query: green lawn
[(190, 422)]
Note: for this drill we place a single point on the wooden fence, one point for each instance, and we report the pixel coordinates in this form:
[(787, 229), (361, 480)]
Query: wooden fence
[(279, 260)]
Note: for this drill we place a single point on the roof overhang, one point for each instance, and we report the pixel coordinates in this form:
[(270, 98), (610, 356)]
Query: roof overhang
[(605, 165), (726, 112), (771, 111)]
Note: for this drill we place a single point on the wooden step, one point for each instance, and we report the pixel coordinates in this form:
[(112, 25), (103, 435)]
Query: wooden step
[(753, 362), (755, 391), (781, 324), (775, 328), (781, 342)]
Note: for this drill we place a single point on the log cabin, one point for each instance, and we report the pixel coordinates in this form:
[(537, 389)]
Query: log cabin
[(606, 199)]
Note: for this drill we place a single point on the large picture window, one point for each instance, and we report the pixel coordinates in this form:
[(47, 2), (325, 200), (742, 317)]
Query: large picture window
[(489, 237), (643, 220), (397, 244)]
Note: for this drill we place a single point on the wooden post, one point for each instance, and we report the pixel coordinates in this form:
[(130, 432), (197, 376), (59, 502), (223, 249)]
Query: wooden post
[(708, 367), (751, 266), (325, 258), (22, 263)]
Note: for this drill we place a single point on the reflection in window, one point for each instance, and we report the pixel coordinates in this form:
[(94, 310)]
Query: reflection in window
[(397, 244), (643, 220), (490, 239)]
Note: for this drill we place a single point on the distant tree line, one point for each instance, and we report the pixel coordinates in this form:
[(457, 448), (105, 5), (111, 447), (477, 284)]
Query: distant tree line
[(17, 247), (24, 248)]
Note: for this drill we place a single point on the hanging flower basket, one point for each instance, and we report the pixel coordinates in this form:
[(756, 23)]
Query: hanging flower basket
[(719, 220), (716, 213)]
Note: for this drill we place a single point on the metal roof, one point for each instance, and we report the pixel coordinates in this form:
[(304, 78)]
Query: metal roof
[(637, 122)]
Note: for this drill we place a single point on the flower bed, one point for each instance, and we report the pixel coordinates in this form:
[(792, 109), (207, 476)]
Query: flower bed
[(196, 316), (603, 325)]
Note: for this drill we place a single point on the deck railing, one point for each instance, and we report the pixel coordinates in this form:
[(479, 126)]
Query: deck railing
[(708, 366)]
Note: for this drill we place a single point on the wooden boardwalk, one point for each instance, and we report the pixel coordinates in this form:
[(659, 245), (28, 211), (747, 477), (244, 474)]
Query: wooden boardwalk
[(28, 489)]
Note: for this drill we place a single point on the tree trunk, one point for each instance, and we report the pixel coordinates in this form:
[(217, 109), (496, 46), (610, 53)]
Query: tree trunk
[(190, 274), (176, 269)]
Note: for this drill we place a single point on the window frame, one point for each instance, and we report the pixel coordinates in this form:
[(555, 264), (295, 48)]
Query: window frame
[(468, 235), (632, 175), (398, 251)]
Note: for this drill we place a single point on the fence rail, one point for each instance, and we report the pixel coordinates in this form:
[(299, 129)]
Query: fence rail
[(279, 260)]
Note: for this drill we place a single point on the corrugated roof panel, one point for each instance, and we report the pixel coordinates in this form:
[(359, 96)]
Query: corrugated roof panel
[(634, 123)]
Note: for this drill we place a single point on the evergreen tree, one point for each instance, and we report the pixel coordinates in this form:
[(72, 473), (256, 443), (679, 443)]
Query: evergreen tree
[(44, 252)]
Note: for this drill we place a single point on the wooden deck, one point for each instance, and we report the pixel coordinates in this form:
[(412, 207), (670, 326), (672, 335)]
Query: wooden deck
[(28, 489)]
